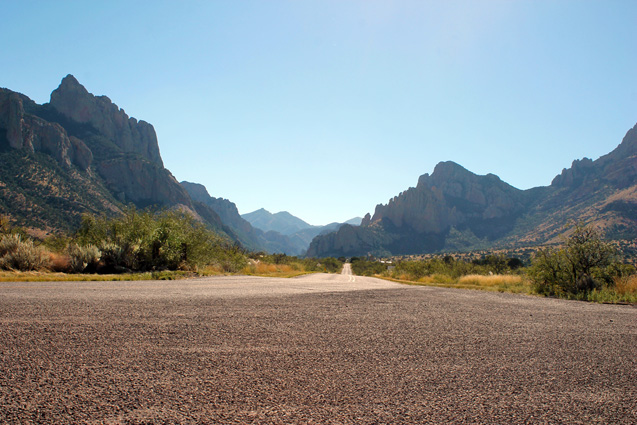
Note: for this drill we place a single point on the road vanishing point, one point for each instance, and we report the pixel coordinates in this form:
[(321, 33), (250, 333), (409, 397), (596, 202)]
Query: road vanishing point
[(317, 349)]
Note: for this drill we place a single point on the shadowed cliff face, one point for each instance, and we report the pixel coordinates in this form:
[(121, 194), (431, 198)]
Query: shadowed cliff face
[(125, 151), (110, 156), (26, 131)]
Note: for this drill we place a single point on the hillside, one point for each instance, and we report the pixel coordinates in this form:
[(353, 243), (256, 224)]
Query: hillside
[(454, 209), (78, 154)]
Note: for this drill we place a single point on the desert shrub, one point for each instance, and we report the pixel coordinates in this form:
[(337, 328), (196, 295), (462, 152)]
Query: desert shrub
[(626, 285), (582, 264), (9, 243), (364, 267), (229, 258), (83, 258), (166, 240), (21, 254)]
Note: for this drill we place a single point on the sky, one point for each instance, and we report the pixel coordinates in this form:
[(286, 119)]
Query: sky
[(326, 108)]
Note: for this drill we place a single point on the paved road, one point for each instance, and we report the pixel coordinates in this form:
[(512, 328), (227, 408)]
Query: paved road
[(314, 349)]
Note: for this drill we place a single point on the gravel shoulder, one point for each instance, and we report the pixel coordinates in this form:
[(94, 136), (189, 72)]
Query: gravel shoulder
[(314, 349)]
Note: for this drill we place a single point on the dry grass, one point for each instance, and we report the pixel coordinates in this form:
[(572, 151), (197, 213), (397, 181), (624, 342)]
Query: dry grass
[(272, 270), (626, 285), (500, 283)]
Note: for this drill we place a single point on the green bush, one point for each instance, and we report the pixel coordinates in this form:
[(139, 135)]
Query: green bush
[(364, 267), (582, 264), (167, 240), (21, 254)]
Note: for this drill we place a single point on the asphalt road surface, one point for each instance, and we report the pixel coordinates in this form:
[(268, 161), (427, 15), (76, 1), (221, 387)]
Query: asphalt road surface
[(322, 348)]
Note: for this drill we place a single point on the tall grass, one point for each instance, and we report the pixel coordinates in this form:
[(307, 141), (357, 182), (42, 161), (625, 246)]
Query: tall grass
[(501, 283)]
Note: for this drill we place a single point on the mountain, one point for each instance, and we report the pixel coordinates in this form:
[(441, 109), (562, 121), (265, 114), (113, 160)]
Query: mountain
[(79, 154), (250, 237), (454, 209), (298, 231), (282, 222)]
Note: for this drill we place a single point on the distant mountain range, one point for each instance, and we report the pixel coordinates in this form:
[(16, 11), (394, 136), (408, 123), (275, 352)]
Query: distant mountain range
[(454, 209), (81, 153), (299, 232)]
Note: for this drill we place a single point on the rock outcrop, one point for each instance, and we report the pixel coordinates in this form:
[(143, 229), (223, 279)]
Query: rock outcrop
[(32, 133), (88, 134), (453, 196), (72, 100), (143, 183)]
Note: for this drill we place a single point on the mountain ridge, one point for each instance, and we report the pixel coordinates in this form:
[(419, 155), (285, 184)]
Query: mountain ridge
[(455, 209), (81, 153)]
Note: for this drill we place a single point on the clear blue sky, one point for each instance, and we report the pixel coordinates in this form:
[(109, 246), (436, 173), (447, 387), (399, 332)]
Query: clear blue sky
[(326, 108)]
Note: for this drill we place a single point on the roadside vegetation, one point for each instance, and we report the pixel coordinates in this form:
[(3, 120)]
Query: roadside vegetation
[(172, 245), (281, 265), (139, 245), (584, 267)]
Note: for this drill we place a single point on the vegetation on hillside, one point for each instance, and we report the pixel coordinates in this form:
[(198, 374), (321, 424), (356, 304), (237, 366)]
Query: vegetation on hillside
[(35, 191)]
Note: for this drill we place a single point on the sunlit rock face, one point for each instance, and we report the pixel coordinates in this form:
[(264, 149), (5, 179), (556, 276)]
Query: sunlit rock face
[(452, 196), (73, 101)]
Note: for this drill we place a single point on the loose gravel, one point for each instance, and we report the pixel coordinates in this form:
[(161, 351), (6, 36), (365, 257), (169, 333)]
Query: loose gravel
[(323, 351)]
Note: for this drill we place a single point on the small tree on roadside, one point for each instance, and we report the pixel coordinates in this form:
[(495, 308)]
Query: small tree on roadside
[(583, 263)]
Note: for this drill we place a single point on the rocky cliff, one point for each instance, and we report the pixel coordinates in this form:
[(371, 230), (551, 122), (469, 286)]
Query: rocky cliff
[(26, 131), (453, 210), (102, 158), (73, 101), (125, 151), (453, 196)]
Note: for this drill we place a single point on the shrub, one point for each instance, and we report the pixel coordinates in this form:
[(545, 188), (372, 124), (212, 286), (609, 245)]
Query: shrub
[(83, 258), (22, 255), (585, 262), (167, 240), (59, 262)]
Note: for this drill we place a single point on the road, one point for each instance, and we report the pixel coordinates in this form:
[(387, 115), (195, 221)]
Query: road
[(314, 349)]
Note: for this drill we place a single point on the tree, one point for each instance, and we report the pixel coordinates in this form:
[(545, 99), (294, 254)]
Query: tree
[(583, 263)]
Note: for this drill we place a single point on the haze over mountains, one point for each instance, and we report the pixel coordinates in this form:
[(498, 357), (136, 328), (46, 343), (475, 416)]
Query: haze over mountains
[(81, 153)]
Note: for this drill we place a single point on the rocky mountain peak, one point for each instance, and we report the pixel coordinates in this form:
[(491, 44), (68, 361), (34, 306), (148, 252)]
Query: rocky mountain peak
[(72, 100)]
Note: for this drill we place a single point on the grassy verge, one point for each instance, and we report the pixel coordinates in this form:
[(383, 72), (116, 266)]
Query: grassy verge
[(274, 270), (262, 269), (498, 283), (624, 292)]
